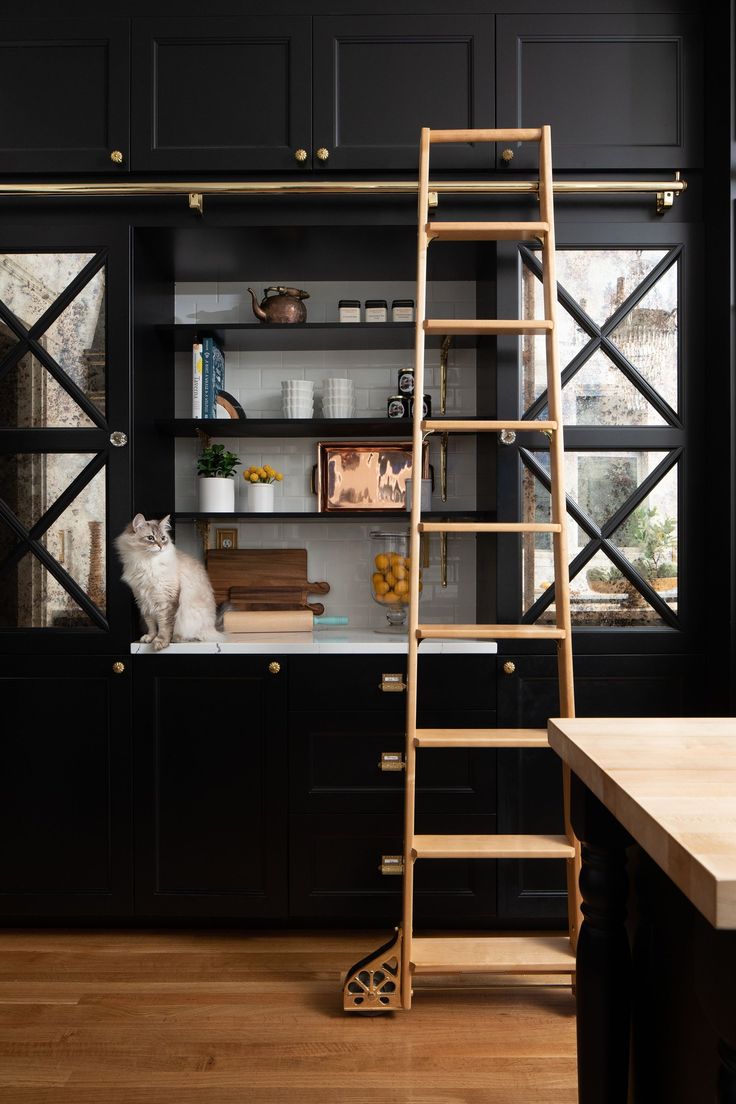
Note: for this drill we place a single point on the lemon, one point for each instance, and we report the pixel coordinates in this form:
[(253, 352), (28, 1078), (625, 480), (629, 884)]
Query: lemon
[(391, 596), (382, 561), (400, 571), (377, 577), (382, 587), (401, 587), (390, 578)]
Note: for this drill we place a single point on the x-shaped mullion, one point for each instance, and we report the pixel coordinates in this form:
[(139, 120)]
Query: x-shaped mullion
[(28, 339), (601, 336), (30, 539), (602, 538)]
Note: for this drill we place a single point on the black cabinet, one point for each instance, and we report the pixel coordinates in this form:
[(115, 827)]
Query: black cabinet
[(210, 739), (64, 95), (225, 95), (619, 91), (65, 809), (378, 79), (290, 94), (530, 781), (346, 811)]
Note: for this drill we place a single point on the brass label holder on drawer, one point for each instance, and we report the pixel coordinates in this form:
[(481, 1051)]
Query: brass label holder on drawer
[(392, 683), (392, 761), (392, 864)]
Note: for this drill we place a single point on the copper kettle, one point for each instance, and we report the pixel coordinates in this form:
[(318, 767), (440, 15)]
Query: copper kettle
[(284, 306)]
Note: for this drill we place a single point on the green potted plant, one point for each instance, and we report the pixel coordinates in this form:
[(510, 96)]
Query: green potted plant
[(216, 469), (656, 540)]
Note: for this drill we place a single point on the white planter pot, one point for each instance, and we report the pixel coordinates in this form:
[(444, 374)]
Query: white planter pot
[(259, 498), (216, 494)]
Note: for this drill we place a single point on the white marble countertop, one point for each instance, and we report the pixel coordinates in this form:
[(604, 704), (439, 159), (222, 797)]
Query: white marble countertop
[(320, 642)]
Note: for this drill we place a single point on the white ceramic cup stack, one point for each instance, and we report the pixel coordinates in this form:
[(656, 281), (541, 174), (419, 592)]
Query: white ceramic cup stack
[(338, 398), (297, 398)]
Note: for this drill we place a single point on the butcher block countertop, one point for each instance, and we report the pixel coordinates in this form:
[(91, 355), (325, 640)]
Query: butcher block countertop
[(671, 783)]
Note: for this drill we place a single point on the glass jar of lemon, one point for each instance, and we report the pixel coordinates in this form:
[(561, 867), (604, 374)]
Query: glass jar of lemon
[(390, 565)]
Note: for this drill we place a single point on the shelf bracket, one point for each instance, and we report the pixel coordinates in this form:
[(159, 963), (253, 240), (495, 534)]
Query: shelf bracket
[(444, 441), (196, 202), (666, 199)]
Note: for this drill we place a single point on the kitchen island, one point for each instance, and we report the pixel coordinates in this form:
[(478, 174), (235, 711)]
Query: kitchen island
[(654, 804)]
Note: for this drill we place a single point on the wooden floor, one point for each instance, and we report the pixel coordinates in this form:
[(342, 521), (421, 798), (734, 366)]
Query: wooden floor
[(203, 1017)]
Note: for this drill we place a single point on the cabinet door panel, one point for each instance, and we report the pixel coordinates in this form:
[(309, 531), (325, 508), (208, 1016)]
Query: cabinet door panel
[(335, 765), (221, 94), (65, 787), (335, 870), (618, 91), (64, 95), (211, 827), (530, 781), (378, 80)]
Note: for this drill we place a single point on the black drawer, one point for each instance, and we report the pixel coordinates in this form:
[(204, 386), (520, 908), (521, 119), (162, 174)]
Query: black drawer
[(335, 870), (335, 758), (353, 682)]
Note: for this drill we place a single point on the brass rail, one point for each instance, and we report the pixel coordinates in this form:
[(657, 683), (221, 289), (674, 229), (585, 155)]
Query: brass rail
[(665, 190)]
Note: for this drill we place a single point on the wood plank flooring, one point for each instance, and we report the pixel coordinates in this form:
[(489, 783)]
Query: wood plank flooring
[(224, 1017)]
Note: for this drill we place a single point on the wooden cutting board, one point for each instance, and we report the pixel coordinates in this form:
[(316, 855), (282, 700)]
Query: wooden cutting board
[(263, 579)]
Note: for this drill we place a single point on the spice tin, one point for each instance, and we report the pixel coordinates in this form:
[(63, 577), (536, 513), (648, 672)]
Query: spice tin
[(376, 310), (349, 310), (406, 381), (402, 310), (398, 407)]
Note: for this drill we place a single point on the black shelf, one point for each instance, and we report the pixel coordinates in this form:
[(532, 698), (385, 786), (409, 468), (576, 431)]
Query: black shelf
[(291, 427), (342, 515), (240, 336)]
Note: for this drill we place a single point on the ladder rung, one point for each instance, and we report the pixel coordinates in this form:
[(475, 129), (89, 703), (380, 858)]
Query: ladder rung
[(492, 847), (475, 327), (489, 527), (483, 425), (519, 135), (489, 632), (504, 954), (486, 231), (481, 738)]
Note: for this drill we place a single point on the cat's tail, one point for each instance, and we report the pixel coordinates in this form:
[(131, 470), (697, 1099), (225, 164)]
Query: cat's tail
[(222, 609)]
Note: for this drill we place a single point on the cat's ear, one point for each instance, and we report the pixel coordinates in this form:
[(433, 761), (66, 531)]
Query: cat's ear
[(138, 522), (165, 523)]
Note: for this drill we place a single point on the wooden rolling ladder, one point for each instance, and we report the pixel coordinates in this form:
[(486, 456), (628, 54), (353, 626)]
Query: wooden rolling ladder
[(383, 980)]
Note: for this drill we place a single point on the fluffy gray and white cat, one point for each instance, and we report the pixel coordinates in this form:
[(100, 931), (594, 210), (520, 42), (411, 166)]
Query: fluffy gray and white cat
[(171, 588)]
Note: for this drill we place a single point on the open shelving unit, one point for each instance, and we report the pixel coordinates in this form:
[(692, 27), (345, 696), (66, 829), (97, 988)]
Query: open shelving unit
[(293, 336)]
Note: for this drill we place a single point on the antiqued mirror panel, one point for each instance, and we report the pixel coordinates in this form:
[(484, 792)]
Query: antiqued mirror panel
[(31, 282), (31, 598)]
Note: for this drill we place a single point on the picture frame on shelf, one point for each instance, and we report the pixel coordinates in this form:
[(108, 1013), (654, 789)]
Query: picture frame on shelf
[(364, 475)]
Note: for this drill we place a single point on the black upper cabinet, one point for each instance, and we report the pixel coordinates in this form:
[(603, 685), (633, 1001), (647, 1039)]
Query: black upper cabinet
[(226, 95), (379, 79), (619, 91), (64, 95)]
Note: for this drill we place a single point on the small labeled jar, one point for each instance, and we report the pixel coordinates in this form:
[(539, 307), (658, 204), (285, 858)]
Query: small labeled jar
[(376, 310), (406, 381), (398, 407), (426, 406), (402, 310), (349, 310)]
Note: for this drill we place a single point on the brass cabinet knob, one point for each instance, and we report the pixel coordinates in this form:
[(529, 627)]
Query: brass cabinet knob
[(118, 438), (323, 154), (509, 667), (300, 155), (118, 668), (507, 155), (274, 667), (116, 157)]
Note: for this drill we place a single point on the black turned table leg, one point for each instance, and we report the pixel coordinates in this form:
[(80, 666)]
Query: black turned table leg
[(715, 979), (603, 982)]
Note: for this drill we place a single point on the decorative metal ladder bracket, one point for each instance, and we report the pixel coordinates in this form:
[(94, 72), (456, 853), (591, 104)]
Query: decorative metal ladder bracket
[(382, 981)]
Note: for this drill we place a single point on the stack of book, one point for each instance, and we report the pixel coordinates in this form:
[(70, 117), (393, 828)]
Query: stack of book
[(208, 377)]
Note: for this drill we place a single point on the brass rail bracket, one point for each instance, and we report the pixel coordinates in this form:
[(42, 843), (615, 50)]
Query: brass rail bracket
[(196, 202), (666, 198)]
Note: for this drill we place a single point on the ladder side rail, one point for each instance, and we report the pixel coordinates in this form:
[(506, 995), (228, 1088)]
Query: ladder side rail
[(559, 507), (414, 553)]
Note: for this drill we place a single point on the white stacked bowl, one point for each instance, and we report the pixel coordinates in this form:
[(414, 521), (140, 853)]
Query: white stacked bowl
[(338, 398), (297, 398)]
